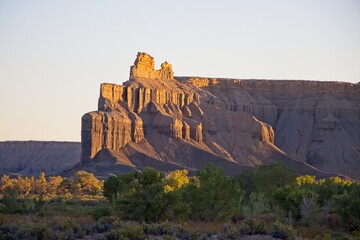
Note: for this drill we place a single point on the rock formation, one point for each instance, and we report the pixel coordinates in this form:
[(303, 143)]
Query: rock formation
[(124, 110), (166, 122), (314, 122), (157, 120), (144, 67)]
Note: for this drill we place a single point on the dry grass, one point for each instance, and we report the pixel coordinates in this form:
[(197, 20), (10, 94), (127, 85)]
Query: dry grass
[(21, 218), (313, 231), (12, 218)]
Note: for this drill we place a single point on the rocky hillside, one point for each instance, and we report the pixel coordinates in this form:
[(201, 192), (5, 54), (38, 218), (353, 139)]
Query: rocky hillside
[(32, 157), (156, 119)]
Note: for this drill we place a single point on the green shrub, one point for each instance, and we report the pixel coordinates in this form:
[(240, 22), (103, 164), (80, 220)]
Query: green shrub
[(187, 234), (66, 228), (141, 197), (104, 224), (231, 231), (34, 231), (100, 237), (100, 212), (159, 228), (250, 226), (8, 231), (212, 196), (347, 206), (265, 179), (169, 237), (13, 205), (256, 206), (255, 226), (285, 229), (127, 230), (356, 235)]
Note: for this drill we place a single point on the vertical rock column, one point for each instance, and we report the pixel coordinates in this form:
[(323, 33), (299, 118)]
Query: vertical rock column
[(91, 136), (107, 130)]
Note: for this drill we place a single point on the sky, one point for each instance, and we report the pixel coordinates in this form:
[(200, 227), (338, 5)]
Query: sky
[(55, 54)]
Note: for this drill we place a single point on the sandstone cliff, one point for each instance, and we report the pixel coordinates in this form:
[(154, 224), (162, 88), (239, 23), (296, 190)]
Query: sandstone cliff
[(157, 120), (314, 122), (144, 67)]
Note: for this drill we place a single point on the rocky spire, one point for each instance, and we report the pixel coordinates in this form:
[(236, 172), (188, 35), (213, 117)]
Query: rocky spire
[(144, 67)]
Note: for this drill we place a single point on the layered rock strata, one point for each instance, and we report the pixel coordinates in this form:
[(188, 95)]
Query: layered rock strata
[(168, 123), (29, 158), (136, 98), (314, 122), (144, 67), (124, 111)]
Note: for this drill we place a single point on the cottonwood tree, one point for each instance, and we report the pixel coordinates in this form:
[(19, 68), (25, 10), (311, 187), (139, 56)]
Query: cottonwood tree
[(85, 182), (41, 184), (176, 180), (141, 197), (212, 195)]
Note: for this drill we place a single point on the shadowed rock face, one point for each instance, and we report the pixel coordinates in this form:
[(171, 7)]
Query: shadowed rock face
[(157, 120), (33, 157), (314, 122)]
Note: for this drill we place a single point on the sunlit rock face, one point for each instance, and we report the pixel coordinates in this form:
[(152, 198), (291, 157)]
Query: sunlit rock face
[(144, 67), (156, 119), (148, 99)]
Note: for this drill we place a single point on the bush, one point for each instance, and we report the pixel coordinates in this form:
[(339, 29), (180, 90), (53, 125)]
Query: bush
[(104, 224), (35, 231), (348, 207), (8, 231), (168, 237), (100, 212), (250, 226), (141, 197), (159, 228), (66, 228), (255, 226), (212, 196), (11, 205), (171, 229), (285, 229), (265, 179), (127, 230), (24, 230), (232, 231), (256, 206)]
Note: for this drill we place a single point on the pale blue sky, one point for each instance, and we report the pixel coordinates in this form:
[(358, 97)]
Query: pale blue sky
[(55, 54)]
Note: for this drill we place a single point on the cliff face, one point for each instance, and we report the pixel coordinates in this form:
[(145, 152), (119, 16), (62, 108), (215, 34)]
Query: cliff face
[(314, 122), (157, 120), (144, 67), (124, 111)]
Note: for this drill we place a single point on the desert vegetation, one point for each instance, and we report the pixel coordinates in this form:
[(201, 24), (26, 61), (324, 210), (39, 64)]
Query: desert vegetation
[(268, 200), (83, 184)]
